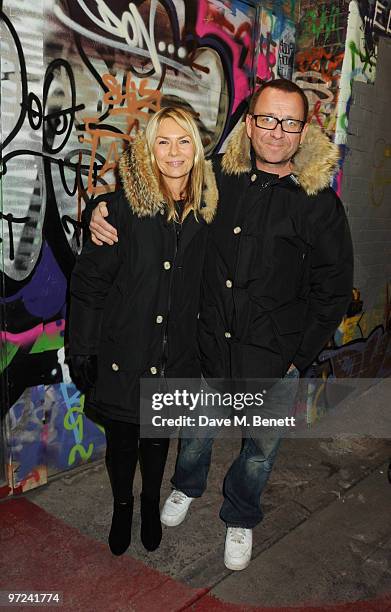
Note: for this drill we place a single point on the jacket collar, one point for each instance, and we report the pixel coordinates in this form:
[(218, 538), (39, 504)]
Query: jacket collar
[(141, 186), (313, 165)]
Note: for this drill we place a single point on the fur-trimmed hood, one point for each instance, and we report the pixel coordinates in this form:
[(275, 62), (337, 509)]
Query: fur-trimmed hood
[(313, 165), (142, 189)]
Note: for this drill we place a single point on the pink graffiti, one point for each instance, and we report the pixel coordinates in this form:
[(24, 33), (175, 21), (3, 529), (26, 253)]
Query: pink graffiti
[(34, 475), (338, 182), (28, 337), (207, 25), (267, 58)]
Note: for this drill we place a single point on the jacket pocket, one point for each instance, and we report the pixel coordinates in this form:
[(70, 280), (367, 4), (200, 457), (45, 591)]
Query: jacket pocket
[(212, 349), (287, 267), (116, 374), (288, 324), (289, 319)]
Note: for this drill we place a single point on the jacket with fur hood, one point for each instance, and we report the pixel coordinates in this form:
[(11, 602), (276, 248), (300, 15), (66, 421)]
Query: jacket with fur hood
[(278, 271), (135, 304)]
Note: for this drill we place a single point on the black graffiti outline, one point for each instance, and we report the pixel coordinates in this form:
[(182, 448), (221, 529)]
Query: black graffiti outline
[(77, 226), (24, 82), (9, 217)]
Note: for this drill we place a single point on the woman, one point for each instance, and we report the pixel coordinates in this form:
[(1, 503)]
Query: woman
[(134, 305)]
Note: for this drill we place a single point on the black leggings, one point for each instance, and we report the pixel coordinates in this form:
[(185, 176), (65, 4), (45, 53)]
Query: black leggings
[(124, 448)]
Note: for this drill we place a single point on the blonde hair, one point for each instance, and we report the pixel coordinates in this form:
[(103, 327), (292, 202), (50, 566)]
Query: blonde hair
[(193, 196)]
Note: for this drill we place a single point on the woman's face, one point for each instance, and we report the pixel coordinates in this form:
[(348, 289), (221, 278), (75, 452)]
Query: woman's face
[(174, 151)]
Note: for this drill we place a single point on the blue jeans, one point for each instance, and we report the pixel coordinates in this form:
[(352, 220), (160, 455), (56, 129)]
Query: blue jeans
[(246, 478)]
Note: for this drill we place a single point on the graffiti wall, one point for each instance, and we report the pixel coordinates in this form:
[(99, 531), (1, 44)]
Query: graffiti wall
[(78, 80), (318, 61), (343, 62), (277, 41)]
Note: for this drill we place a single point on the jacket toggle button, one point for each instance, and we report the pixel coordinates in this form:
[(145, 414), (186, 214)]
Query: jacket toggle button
[(228, 283), (253, 177), (159, 319), (227, 335), (153, 370), (166, 265), (115, 367), (237, 230)]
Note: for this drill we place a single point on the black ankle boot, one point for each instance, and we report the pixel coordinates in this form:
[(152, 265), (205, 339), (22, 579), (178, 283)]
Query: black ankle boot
[(121, 527), (151, 528)]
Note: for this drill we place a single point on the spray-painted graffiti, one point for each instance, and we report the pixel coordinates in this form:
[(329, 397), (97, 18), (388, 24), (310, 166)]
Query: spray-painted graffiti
[(369, 357), (48, 433), (376, 17), (322, 25), (318, 73), (352, 355), (318, 62), (276, 46), (134, 105), (286, 53), (70, 103)]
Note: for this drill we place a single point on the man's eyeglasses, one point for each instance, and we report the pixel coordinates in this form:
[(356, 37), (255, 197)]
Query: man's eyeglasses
[(292, 126)]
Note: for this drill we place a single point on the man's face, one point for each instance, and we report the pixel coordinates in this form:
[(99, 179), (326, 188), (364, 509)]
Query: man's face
[(276, 147)]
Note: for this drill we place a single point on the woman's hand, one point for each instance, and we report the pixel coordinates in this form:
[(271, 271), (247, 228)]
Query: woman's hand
[(84, 370), (101, 231)]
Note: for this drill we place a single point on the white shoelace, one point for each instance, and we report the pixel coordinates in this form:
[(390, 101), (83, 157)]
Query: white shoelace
[(178, 497), (237, 534)]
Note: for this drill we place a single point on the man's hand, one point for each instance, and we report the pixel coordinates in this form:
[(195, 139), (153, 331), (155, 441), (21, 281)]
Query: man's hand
[(101, 231)]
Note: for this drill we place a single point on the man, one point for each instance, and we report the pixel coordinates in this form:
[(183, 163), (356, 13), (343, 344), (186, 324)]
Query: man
[(276, 284)]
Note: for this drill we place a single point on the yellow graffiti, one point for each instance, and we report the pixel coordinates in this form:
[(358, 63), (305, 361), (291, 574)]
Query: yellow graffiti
[(314, 408)]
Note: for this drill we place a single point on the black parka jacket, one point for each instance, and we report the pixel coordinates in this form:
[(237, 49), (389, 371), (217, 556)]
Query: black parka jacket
[(135, 304), (278, 270)]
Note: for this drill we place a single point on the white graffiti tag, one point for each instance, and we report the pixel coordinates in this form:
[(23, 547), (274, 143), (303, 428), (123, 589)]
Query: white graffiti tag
[(130, 28)]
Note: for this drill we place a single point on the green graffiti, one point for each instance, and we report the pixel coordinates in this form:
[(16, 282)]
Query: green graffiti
[(8, 351), (343, 122), (368, 60), (47, 342), (84, 454), (77, 425), (324, 22), (363, 65)]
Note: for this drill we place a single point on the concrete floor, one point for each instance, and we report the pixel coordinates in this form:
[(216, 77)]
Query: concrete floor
[(326, 535)]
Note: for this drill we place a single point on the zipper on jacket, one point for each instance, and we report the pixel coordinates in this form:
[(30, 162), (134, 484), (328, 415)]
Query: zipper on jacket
[(177, 236), (264, 187)]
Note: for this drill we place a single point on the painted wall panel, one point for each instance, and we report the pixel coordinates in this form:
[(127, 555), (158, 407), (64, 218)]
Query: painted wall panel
[(78, 80)]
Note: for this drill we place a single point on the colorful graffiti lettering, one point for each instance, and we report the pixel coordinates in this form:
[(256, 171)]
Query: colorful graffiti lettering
[(76, 425), (318, 73), (276, 46)]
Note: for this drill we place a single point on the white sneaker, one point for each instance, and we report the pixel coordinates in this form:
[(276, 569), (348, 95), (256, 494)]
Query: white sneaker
[(238, 547), (175, 508)]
